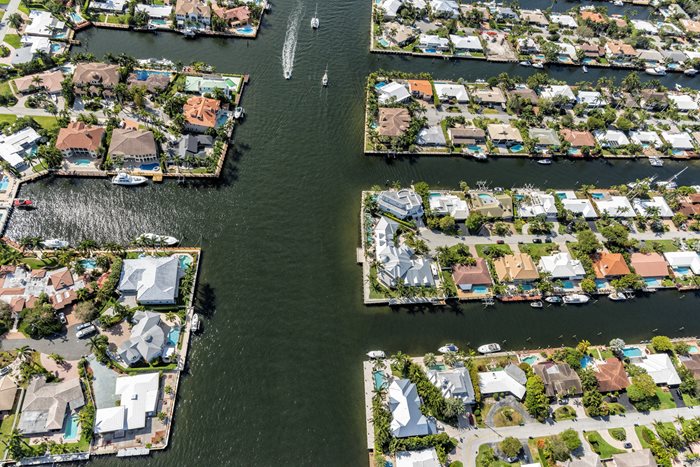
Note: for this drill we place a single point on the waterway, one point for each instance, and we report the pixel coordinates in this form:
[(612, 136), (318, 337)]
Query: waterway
[(275, 379)]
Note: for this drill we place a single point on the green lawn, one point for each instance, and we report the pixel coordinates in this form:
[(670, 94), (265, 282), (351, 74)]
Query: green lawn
[(538, 250), (36, 263), (4, 2), (564, 413), (480, 249), (617, 433), (666, 400), (23, 8), (638, 429), (483, 451), (46, 122), (5, 89), (13, 40), (690, 401), (663, 245), (507, 417), (600, 446), (605, 354), (6, 426)]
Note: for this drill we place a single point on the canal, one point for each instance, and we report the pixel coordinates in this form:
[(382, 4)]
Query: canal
[(275, 378)]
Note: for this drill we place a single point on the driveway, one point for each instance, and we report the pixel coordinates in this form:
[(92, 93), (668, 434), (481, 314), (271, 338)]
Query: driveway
[(66, 344), (508, 401)]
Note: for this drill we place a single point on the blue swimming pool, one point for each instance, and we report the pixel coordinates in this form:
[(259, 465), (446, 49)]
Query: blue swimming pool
[(573, 152), (245, 30), (632, 352), (75, 17), (530, 360), (430, 51), (159, 21), (150, 167), (601, 284), (519, 197), (692, 349), (173, 336), (678, 151), (652, 282), (527, 287), (383, 42), (567, 285), (71, 431), (4, 183), (82, 162), (597, 196), (486, 198), (55, 48), (516, 148), (682, 270), (380, 85), (474, 148), (184, 261), (585, 361), (88, 263), (480, 289), (561, 195), (142, 75), (379, 382)]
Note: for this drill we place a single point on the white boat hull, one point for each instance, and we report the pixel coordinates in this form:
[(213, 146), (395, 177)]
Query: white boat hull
[(375, 354), (617, 297), (576, 299), (489, 348), (55, 244), (553, 299), (158, 239), (449, 348)]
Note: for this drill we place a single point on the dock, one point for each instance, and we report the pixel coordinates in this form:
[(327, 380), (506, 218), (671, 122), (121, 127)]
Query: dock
[(369, 393), (133, 452)]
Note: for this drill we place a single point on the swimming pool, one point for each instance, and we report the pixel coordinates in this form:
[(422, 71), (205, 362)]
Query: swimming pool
[(585, 361), (486, 198), (480, 289), (378, 377), (383, 42), (221, 120), (245, 30), (574, 152), (71, 431), (519, 197), (82, 162), (55, 48), (601, 284), (527, 287), (4, 183), (652, 282), (567, 285), (75, 17), (380, 85), (142, 75), (174, 336), (692, 349), (88, 263), (678, 151), (430, 51), (682, 270), (597, 196), (184, 261), (561, 195), (530, 360), (474, 148), (150, 167), (159, 21), (632, 352), (516, 148)]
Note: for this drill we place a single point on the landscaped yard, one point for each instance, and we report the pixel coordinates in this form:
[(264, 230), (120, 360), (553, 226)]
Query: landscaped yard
[(505, 249), (7, 357), (600, 446), (690, 401), (13, 40), (485, 452), (507, 417), (45, 122), (36, 263), (639, 429), (6, 426), (5, 89), (564, 413), (662, 245), (538, 250), (666, 400)]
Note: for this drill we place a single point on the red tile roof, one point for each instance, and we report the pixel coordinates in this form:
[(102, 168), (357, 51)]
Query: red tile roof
[(649, 265), (611, 376), (476, 275), (610, 265)]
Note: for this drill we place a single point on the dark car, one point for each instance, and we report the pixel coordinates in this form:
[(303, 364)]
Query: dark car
[(537, 240), (628, 445), (500, 242)]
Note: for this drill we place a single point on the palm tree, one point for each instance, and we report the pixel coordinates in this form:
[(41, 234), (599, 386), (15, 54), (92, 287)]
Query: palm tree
[(25, 352), (86, 246), (14, 444), (57, 358), (429, 359)]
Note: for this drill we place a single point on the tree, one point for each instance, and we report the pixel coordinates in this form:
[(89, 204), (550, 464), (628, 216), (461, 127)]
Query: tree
[(474, 222), (510, 447), (15, 20), (593, 402), (588, 244), (662, 344), (588, 285), (40, 321), (642, 392), (616, 346), (536, 400), (15, 444), (588, 380), (454, 407), (57, 358), (558, 449), (571, 438), (86, 311), (429, 360), (631, 82), (447, 223)]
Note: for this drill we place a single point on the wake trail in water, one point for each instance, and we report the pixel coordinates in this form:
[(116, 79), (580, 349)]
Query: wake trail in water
[(290, 41)]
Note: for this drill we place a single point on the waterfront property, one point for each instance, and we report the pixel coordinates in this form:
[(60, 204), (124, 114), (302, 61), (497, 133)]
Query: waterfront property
[(80, 140), (150, 280)]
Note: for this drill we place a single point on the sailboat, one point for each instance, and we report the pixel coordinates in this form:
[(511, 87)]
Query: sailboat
[(315, 23), (324, 80)]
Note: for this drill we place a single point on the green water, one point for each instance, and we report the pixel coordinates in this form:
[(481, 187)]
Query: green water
[(275, 379)]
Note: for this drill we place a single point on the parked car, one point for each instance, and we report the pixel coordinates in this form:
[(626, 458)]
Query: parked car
[(82, 326), (62, 317), (536, 240), (500, 242), (85, 332), (628, 445)]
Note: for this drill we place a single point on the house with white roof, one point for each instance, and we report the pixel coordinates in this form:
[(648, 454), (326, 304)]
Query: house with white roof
[(591, 99), (566, 21), (646, 138), (444, 8), (684, 102), (151, 280), (406, 416), (155, 11), (16, 147), (137, 402), (660, 367), (582, 207), (558, 91), (115, 6), (398, 262), (678, 140), (454, 383), (36, 44), (448, 91), (391, 8), (431, 136), (43, 23), (510, 380), (615, 206), (561, 266), (466, 43), (394, 92), (567, 49), (536, 203), (443, 204), (656, 203), (683, 262), (433, 41), (644, 26), (404, 203), (423, 458), (611, 138)]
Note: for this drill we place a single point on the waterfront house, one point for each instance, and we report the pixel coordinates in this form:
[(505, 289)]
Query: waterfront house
[(45, 405), (146, 341), (95, 79), (593, 17), (390, 8), (431, 136), (544, 138), (690, 26), (15, 148), (421, 458), (134, 145), (691, 362), (406, 417), (80, 140), (536, 17), (236, 16), (453, 383), (610, 265), (675, 59), (155, 11), (651, 58), (48, 81), (690, 205), (503, 133), (397, 262), (208, 84), (138, 400), (404, 203), (393, 92), (611, 376), (467, 136), (398, 34), (611, 138), (43, 23), (510, 380), (393, 121), (642, 458), (451, 92), (491, 97), (152, 82), (8, 394), (527, 46), (524, 93), (506, 13), (679, 141), (561, 266), (593, 51), (517, 268), (684, 102), (579, 207), (150, 280), (444, 8), (619, 51), (192, 146), (492, 205), (559, 379), (111, 6), (567, 52), (614, 206), (444, 204), (651, 99), (651, 206), (466, 43), (432, 43), (660, 367), (466, 277), (559, 93), (591, 99), (683, 263), (644, 26), (646, 138), (421, 89), (535, 203), (201, 114), (566, 21), (192, 12), (578, 139), (651, 266)]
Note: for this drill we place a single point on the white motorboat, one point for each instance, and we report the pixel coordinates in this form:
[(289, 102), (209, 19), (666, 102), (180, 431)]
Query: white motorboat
[(576, 299), (448, 348), (553, 299), (195, 323), (585, 69), (544, 161), (617, 296), (618, 3), (489, 348), (525, 63), (55, 243), (537, 304), (287, 74), (480, 156), (315, 23), (238, 112), (155, 239), (538, 65), (324, 80), (189, 32), (656, 71), (124, 179), (678, 87), (375, 354), (656, 162), (690, 72)]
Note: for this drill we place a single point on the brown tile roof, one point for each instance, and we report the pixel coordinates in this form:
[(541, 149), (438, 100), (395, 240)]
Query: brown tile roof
[(87, 73), (558, 378), (610, 265), (692, 362), (130, 142), (240, 14), (12, 291), (620, 48), (50, 80), (8, 391), (620, 22), (61, 279), (153, 83), (519, 266), (38, 273), (592, 50), (578, 139), (393, 121), (649, 265), (527, 94), (421, 86), (611, 376), (201, 111), (63, 298), (466, 135), (17, 304), (78, 135), (593, 16), (192, 7), (476, 275), (690, 25)]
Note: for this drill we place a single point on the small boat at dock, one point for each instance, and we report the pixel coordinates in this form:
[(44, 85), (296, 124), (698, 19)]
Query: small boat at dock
[(576, 299), (544, 161), (238, 112), (585, 69), (195, 322), (155, 239), (480, 156), (489, 348), (537, 304), (448, 348), (23, 203), (525, 63), (54, 243), (617, 297), (124, 179), (656, 162), (656, 71), (376, 354), (538, 65), (553, 299), (690, 72)]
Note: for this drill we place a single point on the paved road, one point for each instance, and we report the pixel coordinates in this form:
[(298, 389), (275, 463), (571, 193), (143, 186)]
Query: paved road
[(66, 345), (12, 7)]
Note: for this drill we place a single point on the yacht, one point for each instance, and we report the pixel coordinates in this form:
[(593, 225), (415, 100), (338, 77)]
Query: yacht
[(538, 65), (525, 63), (576, 298), (315, 23), (585, 69), (124, 179), (189, 32), (553, 299), (544, 161), (448, 348), (617, 296), (54, 243), (156, 239), (238, 112), (489, 348), (195, 323), (324, 80), (618, 3), (656, 162), (656, 71), (537, 304), (375, 354), (678, 87), (690, 72), (480, 156)]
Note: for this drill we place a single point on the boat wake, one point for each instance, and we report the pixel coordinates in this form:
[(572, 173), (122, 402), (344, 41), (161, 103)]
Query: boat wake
[(290, 41)]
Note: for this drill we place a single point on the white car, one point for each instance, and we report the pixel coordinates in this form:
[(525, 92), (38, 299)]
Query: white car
[(85, 332)]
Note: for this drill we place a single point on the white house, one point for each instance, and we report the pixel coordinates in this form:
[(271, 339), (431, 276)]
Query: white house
[(567, 21), (611, 138), (615, 206), (644, 26), (14, 148), (660, 368), (155, 11), (509, 380), (406, 416), (432, 41), (468, 43), (643, 206), (646, 138), (393, 91), (683, 262), (391, 8), (431, 136), (454, 383), (567, 49), (397, 262), (152, 280), (115, 6), (444, 204), (591, 99), (678, 140), (684, 102), (147, 339), (403, 203), (558, 91), (561, 266), (423, 458), (447, 91), (138, 400), (43, 23), (583, 207), (536, 203), (444, 8)]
